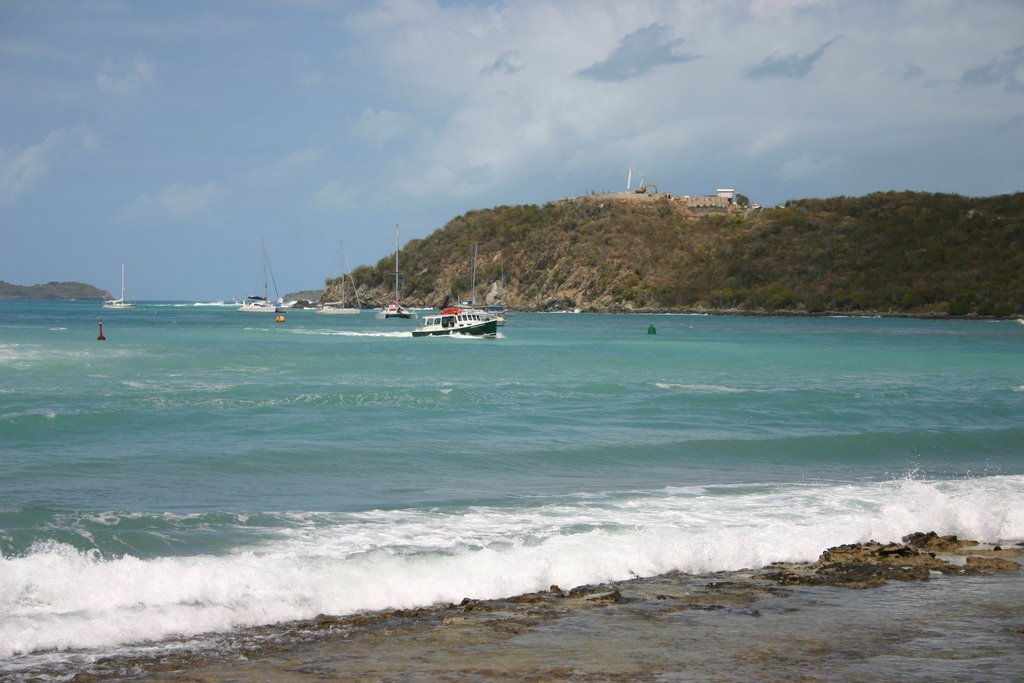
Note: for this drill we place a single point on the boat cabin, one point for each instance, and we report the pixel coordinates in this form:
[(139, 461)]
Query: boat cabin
[(452, 317)]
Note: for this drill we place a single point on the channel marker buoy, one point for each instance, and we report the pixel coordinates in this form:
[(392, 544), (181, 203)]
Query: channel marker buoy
[(101, 337)]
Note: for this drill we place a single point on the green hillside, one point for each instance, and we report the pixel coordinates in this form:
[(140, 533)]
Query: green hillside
[(51, 291), (904, 253)]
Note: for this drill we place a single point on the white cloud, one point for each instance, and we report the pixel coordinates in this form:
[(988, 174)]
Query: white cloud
[(139, 75), (335, 194), (383, 126), (292, 166), (22, 169), (181, 200)]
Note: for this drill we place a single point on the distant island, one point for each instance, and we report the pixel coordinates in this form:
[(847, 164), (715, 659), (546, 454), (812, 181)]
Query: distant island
[(51, 291), (887, 253)]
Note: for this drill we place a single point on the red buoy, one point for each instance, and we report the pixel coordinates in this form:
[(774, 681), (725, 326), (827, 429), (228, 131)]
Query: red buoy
[(101, 337)]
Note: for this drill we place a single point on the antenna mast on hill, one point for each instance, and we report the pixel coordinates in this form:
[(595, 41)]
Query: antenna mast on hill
[(629, 178)]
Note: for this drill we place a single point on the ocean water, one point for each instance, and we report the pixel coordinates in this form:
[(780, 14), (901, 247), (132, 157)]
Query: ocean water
[(202, 469)]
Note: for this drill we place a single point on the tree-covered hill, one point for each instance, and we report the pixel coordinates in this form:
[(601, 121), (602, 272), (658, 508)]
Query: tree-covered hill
[(904, 253), (52, 291)]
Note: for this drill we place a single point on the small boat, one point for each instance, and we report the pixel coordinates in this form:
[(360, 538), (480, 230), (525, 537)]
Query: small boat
[(261, 304), (394, 308), (336, 308), (118, 303), (341, 306), (497, 312), (455, 320), (257, 304)]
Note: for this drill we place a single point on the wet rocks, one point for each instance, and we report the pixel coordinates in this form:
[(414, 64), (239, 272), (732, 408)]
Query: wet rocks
[(932, 542), (865, 565)]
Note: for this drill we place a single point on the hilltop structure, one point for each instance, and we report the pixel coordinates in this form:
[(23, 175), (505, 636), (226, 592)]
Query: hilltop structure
[(724, 200)]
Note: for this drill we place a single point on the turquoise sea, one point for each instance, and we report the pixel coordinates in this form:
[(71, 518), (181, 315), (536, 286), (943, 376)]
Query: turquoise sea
[(203, 470)]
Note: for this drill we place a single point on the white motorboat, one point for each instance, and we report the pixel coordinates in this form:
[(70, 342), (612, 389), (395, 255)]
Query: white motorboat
[(455, 320)]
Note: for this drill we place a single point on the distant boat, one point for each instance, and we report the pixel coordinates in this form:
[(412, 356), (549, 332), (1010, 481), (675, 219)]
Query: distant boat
[(498, 308), (261, 304), (496, 312), (341, 306), (118, 303), (455, 320), (394, 308)]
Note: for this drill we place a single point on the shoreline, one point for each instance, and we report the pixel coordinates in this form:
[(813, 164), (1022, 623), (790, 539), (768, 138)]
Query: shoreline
[(724, 312), (854, 609)]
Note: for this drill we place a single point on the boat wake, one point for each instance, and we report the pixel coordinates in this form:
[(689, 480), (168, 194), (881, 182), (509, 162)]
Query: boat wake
[(350, 333)]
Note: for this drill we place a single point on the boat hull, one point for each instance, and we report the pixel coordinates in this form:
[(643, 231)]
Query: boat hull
[(331, 310), (260, 308)]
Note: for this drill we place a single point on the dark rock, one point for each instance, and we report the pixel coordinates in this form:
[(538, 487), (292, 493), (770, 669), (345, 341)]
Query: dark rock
[(934, 542), (862, 565)]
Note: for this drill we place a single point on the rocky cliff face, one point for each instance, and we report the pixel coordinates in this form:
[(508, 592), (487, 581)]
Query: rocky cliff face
[(587, 253)]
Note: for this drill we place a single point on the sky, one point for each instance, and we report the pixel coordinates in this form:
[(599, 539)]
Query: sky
[(180, 138)]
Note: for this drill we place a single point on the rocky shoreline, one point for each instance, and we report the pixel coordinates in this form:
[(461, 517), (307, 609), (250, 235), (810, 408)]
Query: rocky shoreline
[(680, 626)]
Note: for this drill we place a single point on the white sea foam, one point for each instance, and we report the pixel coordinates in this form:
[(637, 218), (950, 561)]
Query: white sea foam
[(701, 388), (57, 597), (351, 333), (48, 413)]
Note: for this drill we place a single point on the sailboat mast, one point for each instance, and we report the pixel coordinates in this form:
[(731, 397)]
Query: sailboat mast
[(263, 262), (397, 297), (472, 293)]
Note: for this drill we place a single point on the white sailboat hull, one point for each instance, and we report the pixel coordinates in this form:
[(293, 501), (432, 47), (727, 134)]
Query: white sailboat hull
[(119, 303), (327, 309), (258, 307)]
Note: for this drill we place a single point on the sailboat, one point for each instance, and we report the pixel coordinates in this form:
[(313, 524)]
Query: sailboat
[(498, 308), (488, 312), (341, 306), (261, 304), (395, 309), (118, 303)]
